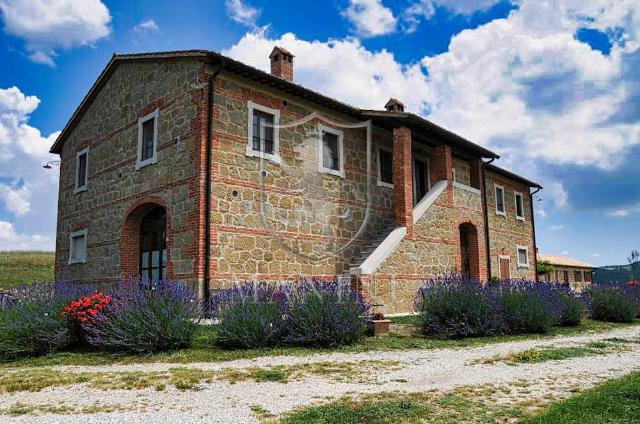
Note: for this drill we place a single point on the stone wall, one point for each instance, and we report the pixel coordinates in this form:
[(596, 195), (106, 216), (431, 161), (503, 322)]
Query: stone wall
[(558, 275), (508, 232), (109, 128), (276, 221)]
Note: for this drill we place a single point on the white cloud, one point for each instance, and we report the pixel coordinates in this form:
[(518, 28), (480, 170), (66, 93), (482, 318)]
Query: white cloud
[(423, 10), (623, 212), (596, 255), (370, 18), (146, 26), (556, 227), (243, 13), (27, 191), (564, 252), (47, 25), (10, 239)]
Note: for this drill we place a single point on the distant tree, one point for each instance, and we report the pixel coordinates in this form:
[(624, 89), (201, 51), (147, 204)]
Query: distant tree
[(545, 267), (634, 264)]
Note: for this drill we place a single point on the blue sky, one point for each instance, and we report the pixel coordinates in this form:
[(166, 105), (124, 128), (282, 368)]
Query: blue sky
[(551, 86)]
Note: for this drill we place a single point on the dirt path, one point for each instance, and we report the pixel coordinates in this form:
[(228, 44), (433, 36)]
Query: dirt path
[(411, 371)]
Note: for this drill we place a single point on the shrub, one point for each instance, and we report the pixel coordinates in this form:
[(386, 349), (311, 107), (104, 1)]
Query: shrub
[(614, 303), (524, 310), (573, 308), (30, 319), (453, 307), (249, 315), (144, 317), (325, 314)]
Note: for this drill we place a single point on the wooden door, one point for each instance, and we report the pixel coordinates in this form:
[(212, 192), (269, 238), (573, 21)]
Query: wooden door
[(505, 269)]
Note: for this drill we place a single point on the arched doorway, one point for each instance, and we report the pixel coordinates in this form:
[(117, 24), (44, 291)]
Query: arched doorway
[(153, 244), (145, 240), (469, 255)]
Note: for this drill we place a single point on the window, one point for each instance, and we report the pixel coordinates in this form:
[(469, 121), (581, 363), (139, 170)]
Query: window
[(147, 139), (500, 209), (330, 152), (577, 276), (454, 175), (587, 276), (82, 169), (78, 247), (519, 206), (523, 256), (263, 134), (565, 276), (385, 168)]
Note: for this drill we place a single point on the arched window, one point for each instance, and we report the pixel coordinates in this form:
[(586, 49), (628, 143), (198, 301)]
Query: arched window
[(153, 244)]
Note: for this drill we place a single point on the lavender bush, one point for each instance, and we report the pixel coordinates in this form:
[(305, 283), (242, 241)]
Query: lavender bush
[(615, 303), (455, 307), (249, 315), (146, 316), (312, 313), (325, 314), (30, 321)]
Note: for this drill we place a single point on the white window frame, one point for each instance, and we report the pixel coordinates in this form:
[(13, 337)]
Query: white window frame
[(504, 197), (517, 194), (454, 175), (275, 156), (507, 257), (526, 249), (73, 235), (78, 188), (322, 129), (380, 182), (154, 158)]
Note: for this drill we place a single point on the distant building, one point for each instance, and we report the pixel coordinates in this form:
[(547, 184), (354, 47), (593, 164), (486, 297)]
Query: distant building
[(567, 270)]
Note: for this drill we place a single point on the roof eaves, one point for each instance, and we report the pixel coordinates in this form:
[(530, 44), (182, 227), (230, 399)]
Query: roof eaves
[(493, 168)]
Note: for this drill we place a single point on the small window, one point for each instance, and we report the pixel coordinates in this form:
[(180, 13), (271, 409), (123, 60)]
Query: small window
[(147, 140), (523, 257), (519, 206), (331, 151), (500, 209), (587, 276), (565, 276), (82, 169), (263, 133), (78, 247), (454, 175), (385, 168), (577, 276)]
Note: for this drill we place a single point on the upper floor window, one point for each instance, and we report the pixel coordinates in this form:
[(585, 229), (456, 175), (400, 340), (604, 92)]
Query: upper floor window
[(78, 247), (519, 206), (263, 133), (523, 256), (500, 207), (147, 139), (331, 151), (82, 169), (385, 168)]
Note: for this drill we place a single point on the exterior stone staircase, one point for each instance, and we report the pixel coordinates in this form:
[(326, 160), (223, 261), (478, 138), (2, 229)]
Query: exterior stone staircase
[(366, 251)]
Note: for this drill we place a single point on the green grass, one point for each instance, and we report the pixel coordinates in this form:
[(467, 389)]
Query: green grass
[(24, 267), (616, 401), (558, 353), (390, 408), (205, 349)]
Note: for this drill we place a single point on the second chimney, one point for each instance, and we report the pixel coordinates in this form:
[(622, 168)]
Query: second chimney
[(281, 63)]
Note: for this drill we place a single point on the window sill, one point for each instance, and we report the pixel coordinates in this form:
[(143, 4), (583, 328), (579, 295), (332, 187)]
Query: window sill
[(383, 184), (77, 261), (330, 171), (79, 189), (147, 162), (520, 218), (502, 214), (271, 157)]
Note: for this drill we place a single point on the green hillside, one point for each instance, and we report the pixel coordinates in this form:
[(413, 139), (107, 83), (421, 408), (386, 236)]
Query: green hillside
[(24, 267), (614, 274)]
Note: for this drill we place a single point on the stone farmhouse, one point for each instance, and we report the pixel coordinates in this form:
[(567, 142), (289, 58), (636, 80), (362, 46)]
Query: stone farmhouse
[(192, 166), (567, 270)]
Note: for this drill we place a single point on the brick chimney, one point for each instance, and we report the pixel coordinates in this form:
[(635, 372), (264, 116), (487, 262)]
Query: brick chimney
[(281, 63), (394, 105)]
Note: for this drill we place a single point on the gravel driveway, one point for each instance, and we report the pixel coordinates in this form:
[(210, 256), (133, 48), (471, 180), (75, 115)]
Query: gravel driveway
[(418, 371)]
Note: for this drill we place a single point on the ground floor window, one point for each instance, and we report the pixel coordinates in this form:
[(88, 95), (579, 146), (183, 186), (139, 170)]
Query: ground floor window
[(153, 245)]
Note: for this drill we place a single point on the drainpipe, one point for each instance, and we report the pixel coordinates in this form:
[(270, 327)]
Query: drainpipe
[(207, 196), (487, 240), (533, 230)]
